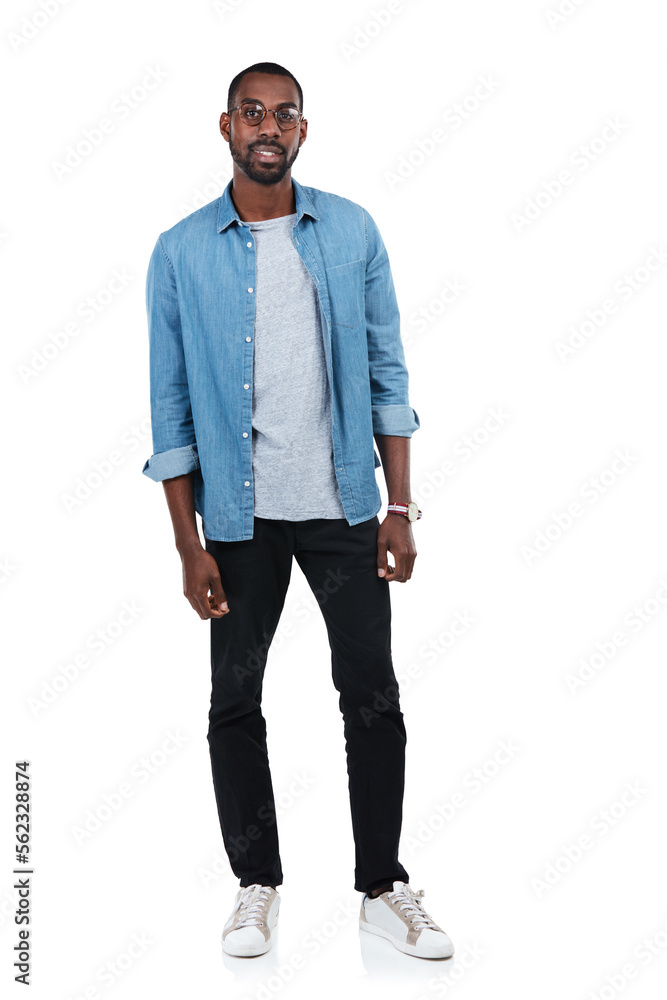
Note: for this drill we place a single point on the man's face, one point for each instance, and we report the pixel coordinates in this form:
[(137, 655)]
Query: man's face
[(263, 152)]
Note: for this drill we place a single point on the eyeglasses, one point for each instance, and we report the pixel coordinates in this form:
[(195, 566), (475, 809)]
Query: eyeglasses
[(254, 112)]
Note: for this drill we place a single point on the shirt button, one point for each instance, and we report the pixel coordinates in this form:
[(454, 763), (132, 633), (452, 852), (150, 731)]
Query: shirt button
[(248, 339), (245, 434), (246, 386), (248, 244), (250, 289), (246, 483)]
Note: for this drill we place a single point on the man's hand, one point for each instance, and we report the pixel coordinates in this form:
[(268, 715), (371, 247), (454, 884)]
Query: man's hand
[(200, 570), (395, 535), (201, 574)]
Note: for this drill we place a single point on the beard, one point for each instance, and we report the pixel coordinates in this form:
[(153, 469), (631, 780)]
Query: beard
[(254, 170)]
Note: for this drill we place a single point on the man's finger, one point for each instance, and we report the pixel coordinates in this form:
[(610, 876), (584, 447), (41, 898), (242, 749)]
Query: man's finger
[(382, 562), (202, 606), (400, 568), (218, 600)]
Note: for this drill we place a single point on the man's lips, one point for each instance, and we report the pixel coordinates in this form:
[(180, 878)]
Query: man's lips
[(267, 153)]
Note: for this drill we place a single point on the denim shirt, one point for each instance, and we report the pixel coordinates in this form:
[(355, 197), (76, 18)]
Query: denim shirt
[(200, 303)]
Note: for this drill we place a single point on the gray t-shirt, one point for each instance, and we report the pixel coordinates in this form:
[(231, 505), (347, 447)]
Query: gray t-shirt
[(292, 446)]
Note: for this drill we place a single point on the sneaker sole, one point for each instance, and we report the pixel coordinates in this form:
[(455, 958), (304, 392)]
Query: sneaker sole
[(408, 949), (249, 951)]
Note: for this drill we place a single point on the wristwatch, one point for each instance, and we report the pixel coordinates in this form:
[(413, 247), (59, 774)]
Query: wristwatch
[(409, 510)]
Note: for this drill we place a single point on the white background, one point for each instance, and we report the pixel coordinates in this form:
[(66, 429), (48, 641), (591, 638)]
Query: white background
[(523, 916)]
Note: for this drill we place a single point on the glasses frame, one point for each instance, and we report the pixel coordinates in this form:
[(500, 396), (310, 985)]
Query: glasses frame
[(275, 111)]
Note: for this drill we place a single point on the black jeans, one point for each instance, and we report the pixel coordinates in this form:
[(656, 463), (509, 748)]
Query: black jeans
[(339, 561)]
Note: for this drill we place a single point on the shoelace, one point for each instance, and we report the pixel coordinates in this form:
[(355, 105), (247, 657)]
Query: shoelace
[(251, 906), (415, 912)]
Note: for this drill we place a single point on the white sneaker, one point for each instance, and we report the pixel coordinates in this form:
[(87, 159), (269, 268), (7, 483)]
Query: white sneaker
[(399, 916), (255, 914)]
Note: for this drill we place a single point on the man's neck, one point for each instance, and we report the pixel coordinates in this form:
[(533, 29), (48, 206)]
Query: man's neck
[(255, 202)]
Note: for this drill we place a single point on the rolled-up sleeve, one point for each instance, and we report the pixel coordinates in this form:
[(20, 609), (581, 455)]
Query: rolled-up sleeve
[(175, 462), (174, 443), (392, 413)]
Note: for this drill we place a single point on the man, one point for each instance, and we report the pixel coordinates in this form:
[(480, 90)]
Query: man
[(275, 359)]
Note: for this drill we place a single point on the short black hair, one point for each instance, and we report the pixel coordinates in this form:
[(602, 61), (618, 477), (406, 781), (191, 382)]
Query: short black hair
[(261, 67)]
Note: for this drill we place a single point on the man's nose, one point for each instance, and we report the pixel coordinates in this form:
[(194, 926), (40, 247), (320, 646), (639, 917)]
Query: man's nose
[(268, 126)]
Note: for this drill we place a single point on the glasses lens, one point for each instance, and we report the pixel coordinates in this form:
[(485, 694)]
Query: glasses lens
[(252, 114), (288, 117)]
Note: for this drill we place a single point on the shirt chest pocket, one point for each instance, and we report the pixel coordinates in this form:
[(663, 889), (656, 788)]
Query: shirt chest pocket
[(345, 284)]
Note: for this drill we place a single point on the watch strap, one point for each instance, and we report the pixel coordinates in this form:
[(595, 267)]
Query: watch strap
[(401, 508)]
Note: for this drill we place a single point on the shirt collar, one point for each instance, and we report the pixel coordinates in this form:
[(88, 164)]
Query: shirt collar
[(227, 211)]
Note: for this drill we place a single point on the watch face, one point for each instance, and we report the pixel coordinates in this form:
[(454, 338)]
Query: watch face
[(413, 510)]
